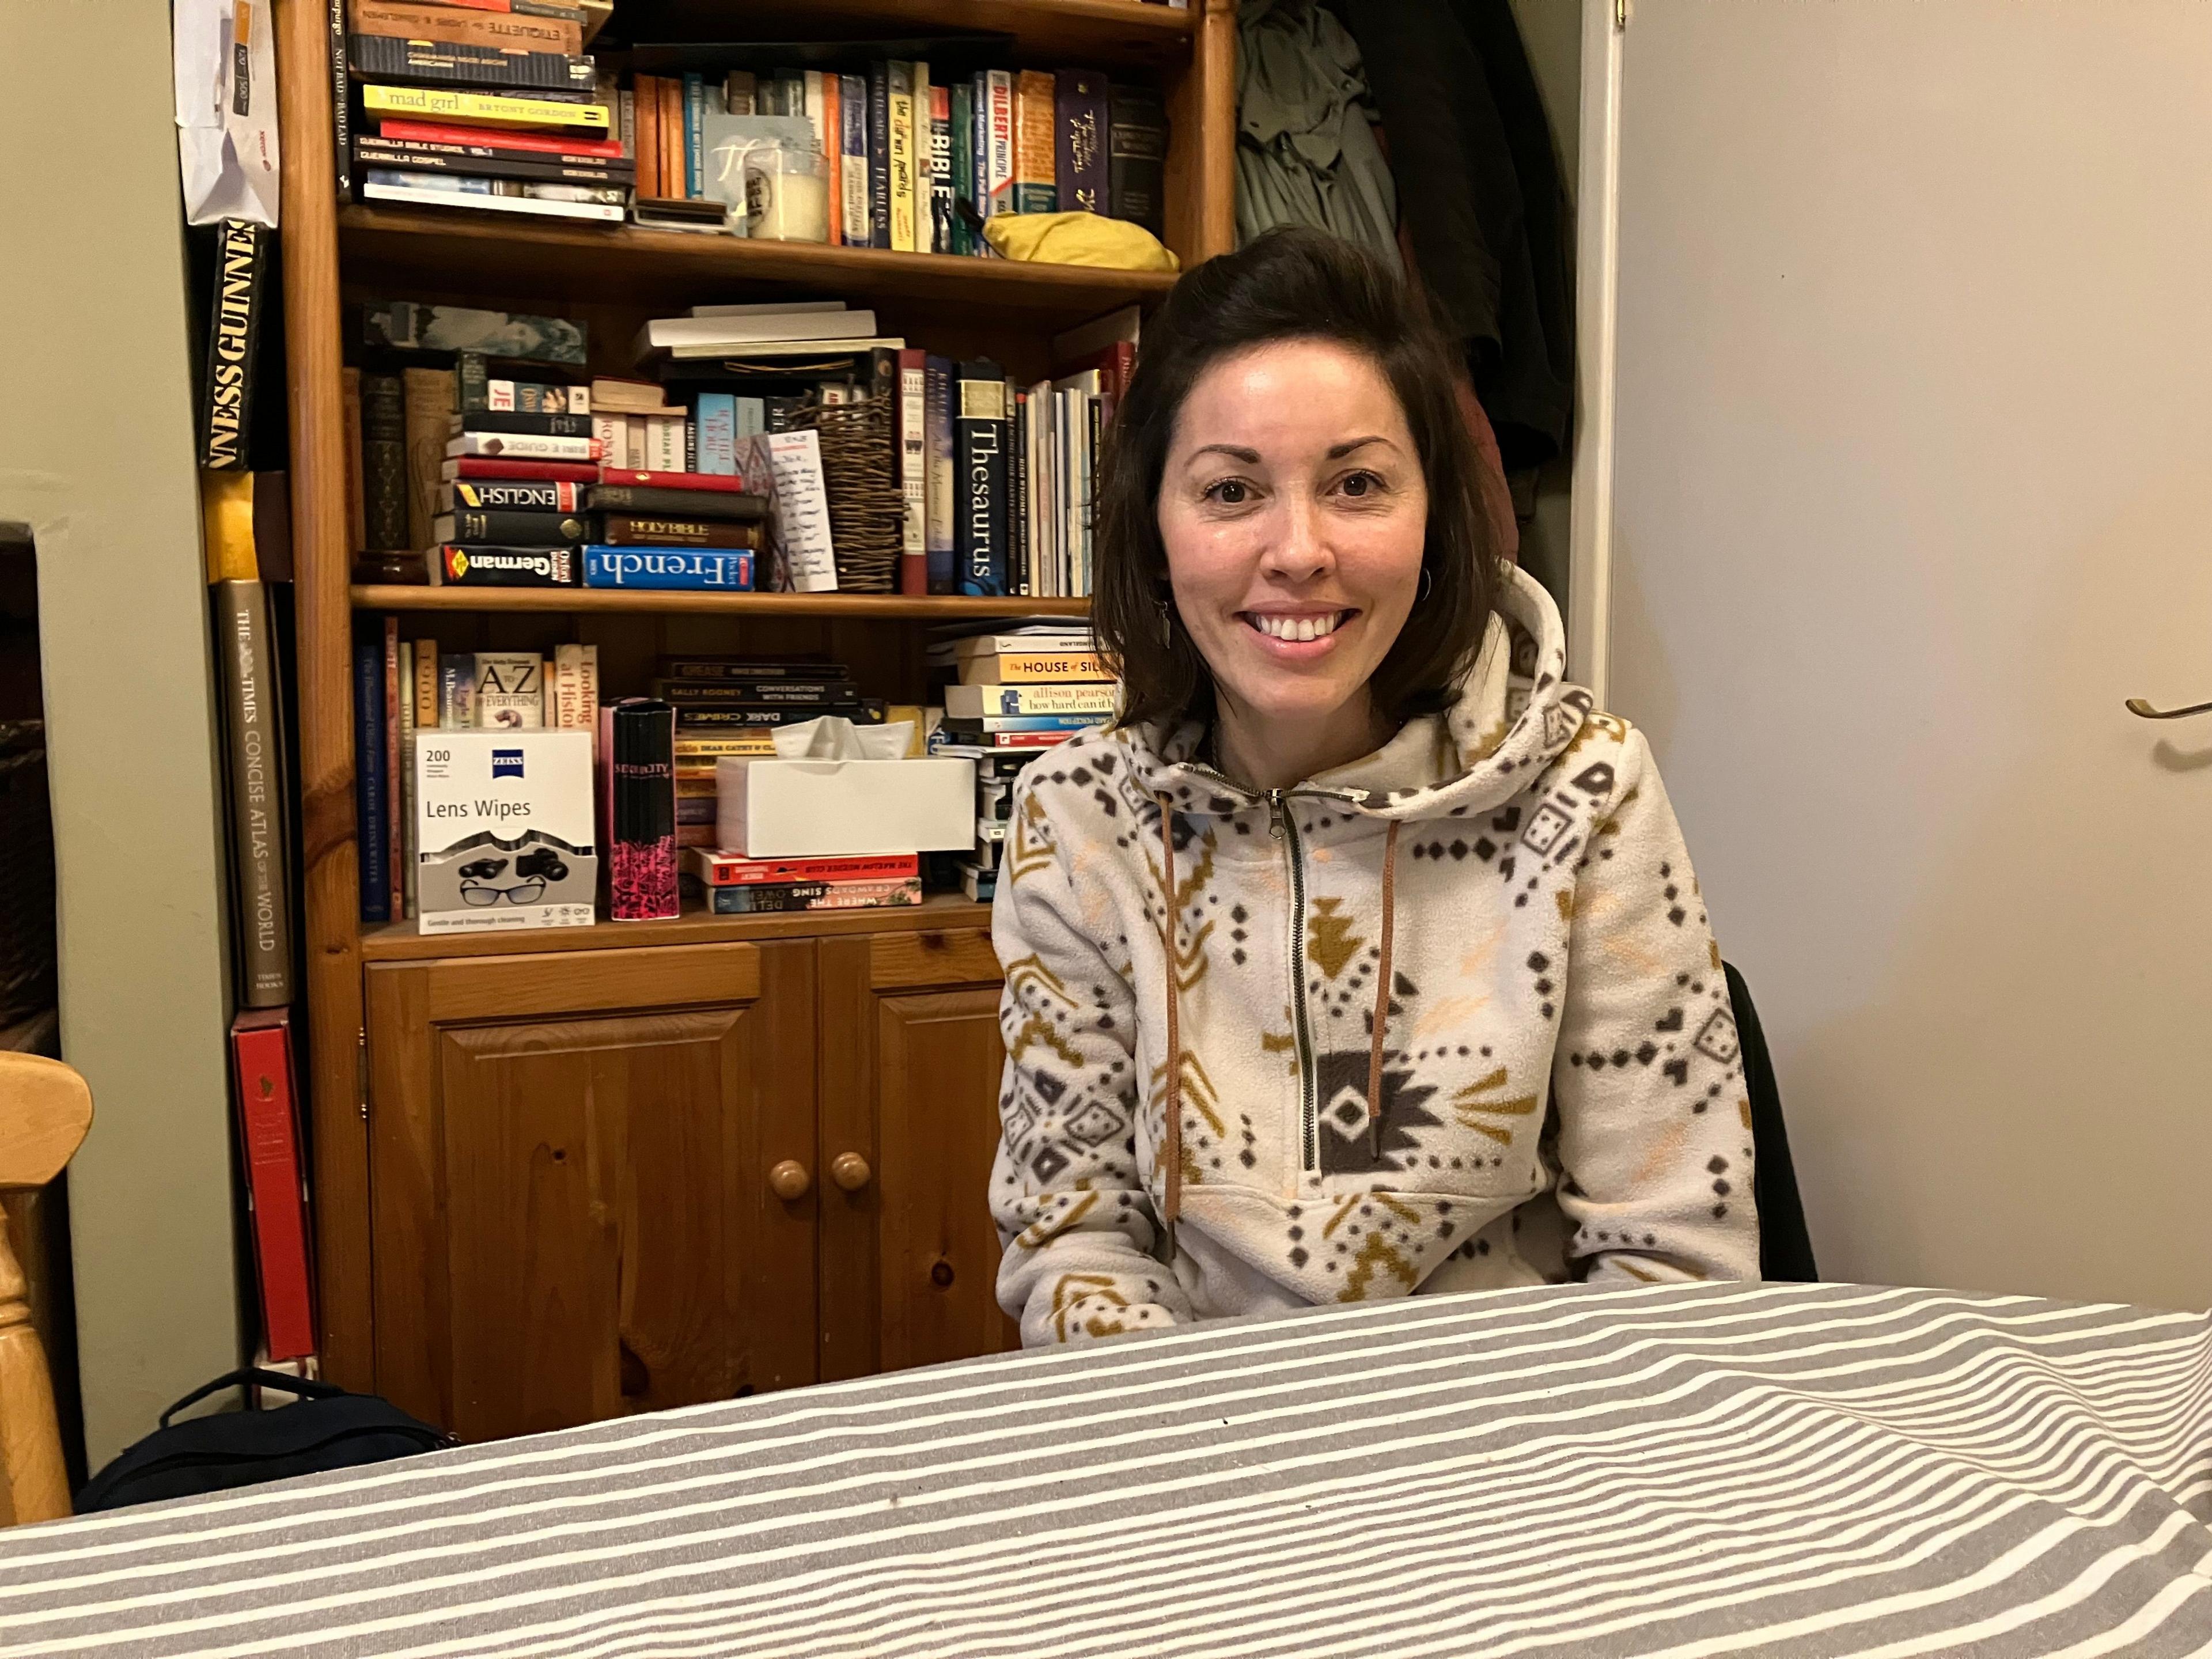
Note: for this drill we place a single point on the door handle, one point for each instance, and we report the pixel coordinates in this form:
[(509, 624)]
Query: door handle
[(2137, 706), (789, 1181), (850, 1171)]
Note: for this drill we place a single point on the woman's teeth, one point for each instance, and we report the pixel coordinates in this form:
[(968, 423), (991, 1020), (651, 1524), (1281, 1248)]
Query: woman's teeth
[(1297, 628)]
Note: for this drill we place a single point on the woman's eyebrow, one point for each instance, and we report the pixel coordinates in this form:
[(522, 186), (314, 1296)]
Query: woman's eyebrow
[(1337, 452), (1249, 457)]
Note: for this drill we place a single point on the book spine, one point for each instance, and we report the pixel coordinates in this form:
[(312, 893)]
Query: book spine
[(989, 701), (717, 427), (525, 446), (942, 510), (501, 31), (613, 433), (429, 395), (1079, 140), (511, 466), (913, 471), (625, 530), (341, 101), (646, 478), (940, 169), (973, 726), (732, 870), (854, 192), (510, 690), (384, 461), (576, 671), (715, 504), (516, 497), (738, 693), (1136, 158), (454, 170), (234, 336), (638, 739), (828, 117), (480, 566), (521, 422), (710, 569), (356, 498), (403, 796), (813, 895), (426, 685), (901, 156), (1089, 516), (471, 381), (979, 441), (391, 840), (672, 142), (868, 711), (482, 109), (1018, 492), (879, 158), (739, 89), (1034, 188), (505, 140), (507, 528), (260, 890), (999, 126), (962, 161), (269, 1140), (385, 57), (695, 151), (645, 98), (371, 814), (457, 690)]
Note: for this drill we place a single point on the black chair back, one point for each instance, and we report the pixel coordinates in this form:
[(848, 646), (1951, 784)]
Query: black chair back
[(1785, 1248)]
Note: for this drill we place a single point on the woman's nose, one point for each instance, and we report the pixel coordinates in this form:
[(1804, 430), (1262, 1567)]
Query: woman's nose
[(1299, 552)]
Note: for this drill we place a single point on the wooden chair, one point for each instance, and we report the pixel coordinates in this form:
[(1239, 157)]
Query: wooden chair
[(44, 1110)]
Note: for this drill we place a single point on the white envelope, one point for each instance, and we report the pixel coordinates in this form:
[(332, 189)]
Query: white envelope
[(225, 56)]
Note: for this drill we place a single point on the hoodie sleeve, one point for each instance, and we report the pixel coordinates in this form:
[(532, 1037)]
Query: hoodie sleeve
[(1074, 1219), (1654, 1124)]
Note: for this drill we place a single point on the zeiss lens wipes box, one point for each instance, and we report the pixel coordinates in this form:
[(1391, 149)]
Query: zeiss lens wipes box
[(503, 829)]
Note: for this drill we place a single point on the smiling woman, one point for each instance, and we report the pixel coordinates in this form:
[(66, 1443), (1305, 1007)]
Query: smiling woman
[(1362, 957)]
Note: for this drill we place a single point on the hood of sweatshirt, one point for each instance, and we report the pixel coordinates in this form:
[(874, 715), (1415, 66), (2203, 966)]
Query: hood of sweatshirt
[(1514, 713)]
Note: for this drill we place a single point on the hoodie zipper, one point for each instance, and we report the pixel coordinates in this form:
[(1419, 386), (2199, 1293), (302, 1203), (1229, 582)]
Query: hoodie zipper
[(1284, 828)]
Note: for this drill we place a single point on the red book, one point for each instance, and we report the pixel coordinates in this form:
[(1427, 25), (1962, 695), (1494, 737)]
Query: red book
[(732, 869), (507, 466), (430, 133), (727, 483), (276, 1184)]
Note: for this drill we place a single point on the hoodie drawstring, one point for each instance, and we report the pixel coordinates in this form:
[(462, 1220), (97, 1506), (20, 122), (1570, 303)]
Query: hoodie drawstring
[(1171, 1206), (1382, 995)]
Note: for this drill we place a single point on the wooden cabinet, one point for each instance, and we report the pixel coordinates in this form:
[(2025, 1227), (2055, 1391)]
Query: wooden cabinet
[(570, 1156), (610, 1180), (910, 1064)]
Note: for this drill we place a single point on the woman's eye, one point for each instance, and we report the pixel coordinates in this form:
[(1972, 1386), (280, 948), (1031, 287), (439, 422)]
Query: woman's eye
[(1362, 484), (1230, 492)]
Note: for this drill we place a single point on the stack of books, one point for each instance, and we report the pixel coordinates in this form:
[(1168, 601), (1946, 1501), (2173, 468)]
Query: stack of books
[(403, 688), (729, 705), (915, 162), (730, 885), (487, 108), (1018, 690)]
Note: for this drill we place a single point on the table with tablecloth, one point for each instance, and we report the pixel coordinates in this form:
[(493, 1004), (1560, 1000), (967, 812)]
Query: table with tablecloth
[(1816, 1470)]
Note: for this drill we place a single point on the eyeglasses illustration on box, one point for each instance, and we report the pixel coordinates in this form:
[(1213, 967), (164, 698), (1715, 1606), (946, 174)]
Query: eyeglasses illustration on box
[(537, 866)]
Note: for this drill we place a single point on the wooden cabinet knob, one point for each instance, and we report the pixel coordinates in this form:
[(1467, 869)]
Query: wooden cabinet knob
[(940, 1274), (850, 1170), (789, 1181)]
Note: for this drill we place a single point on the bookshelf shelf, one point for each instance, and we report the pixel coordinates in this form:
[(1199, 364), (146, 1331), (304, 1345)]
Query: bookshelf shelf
[(399, 942), (872, 607), (437, 247), (1109, 33)]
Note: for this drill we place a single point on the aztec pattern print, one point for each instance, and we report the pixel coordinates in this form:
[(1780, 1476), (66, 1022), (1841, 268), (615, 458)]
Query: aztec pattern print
[(1562, 1095)]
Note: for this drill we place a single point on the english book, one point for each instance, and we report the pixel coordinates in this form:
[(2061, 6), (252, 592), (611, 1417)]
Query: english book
[(714, 694), (633, 530), (1033, 667), (514, 422), (509, 496), (242, 280), (531, 167), (513, 467), (725, 483), (813, 895), (979, 443), (501, 141), (254, 744), (510, 446), (482, 109), (697, 721), (985, 701), (276, 1179), (733, 869)]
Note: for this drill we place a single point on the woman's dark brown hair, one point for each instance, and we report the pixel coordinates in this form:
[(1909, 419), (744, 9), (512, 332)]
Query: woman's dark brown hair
[(1289, 285)]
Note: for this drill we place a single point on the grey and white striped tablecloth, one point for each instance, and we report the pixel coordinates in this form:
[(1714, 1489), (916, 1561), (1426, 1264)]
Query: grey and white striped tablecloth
[(1820, 1470)]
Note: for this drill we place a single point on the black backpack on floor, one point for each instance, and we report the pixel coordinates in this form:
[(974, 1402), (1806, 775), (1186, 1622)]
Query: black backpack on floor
[(327, 1428)]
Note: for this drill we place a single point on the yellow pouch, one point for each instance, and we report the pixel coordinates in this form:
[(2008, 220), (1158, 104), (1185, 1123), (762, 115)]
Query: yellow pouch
[(1077, 239)]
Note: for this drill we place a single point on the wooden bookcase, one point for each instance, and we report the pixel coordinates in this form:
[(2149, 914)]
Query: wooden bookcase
[(541, 1163)]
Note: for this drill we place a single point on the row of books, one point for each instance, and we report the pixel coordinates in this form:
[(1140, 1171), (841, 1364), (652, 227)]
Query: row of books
[(674, 480), (1014, 690), (493, 109), (914, 162), (405, 687)]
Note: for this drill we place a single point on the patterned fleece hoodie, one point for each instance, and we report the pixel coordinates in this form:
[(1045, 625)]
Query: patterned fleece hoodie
[(1448, 1018)]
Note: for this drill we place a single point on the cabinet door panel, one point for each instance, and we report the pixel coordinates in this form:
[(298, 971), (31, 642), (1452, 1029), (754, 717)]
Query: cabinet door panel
[(573, 1220), (910, 1064)]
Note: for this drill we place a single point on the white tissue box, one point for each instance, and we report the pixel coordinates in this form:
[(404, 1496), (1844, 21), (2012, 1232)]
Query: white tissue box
[(785, 808)]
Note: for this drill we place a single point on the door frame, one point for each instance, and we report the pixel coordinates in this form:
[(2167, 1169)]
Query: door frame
[(1597, 196)]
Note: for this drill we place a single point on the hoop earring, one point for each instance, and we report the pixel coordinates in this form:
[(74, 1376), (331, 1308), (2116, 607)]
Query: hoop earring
[(1428, 585), (1167, 622)]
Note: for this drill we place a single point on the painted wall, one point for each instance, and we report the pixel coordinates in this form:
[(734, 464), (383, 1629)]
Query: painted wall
[(96, 458)]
